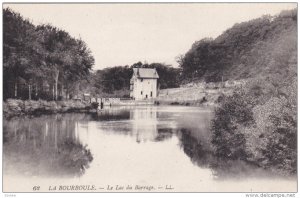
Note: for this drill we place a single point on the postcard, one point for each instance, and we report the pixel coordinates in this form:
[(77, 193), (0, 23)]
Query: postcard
[(150, 97)]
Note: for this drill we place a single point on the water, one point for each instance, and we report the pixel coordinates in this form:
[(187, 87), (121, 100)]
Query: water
[(150, 148)]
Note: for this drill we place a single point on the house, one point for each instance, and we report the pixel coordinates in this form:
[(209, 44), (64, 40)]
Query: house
[(87, 97), (143, 84)]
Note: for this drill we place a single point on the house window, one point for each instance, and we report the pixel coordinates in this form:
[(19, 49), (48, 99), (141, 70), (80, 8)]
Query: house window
[(142, 80), (151, 94), (141, 92)]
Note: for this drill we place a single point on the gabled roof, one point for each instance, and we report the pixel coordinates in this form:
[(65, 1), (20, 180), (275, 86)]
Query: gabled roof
[(145, 73)]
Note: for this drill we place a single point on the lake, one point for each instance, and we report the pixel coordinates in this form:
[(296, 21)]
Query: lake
[(142, 148)]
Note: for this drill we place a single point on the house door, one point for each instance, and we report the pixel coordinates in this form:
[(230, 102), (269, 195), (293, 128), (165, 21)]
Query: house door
[(146, 95), (151, 94)]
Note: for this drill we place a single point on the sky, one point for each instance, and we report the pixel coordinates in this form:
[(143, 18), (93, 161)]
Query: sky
[(123, 34)]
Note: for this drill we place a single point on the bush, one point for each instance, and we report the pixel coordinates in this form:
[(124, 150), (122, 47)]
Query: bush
[(276, 129), (94, 105), (227, 126), (259, 125)]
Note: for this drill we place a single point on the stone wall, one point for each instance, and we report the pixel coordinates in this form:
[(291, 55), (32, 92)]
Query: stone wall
[(201, 94), (12, 107)]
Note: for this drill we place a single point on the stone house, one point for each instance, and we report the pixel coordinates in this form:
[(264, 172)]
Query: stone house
[(143, 84)]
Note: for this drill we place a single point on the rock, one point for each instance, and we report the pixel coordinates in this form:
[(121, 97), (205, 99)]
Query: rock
[(15, 105), (31, 106)]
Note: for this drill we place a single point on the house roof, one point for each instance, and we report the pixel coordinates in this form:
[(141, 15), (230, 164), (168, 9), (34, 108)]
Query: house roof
[(145, 73)]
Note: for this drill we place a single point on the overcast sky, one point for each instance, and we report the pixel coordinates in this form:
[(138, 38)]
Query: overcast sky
[(122, 34)]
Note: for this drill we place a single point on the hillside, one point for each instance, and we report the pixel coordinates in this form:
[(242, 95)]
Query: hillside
[(257, 47), (258, 122), (254, 120)]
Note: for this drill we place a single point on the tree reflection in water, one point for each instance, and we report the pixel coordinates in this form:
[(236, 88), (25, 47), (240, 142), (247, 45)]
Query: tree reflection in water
[(74, 157), (45, 146), (111, 114), (202, 156), (194, 148), (164, 134), (50, 145)]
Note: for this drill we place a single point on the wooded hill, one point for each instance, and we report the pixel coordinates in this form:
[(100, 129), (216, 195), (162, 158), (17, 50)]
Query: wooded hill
[(257, 47), (258, 122)]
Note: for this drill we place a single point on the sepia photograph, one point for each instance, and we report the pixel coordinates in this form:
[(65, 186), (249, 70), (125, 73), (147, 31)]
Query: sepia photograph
[(149, 97)]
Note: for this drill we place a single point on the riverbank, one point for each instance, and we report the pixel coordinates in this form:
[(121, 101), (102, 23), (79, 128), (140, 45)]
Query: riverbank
[(13, 107), (205, 100), (195, 103)]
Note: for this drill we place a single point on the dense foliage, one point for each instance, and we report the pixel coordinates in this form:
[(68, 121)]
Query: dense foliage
[(236, 54), (258, 123), (41, 61), (227, 126)]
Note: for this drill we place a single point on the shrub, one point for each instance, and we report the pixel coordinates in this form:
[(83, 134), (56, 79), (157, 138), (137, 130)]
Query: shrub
[(258, 124), (94, 105), (276, 128), (230, 118)]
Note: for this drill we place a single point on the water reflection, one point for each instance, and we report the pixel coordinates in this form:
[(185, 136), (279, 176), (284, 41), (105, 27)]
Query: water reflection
[(44, 146), (164, 134), (201, 155), (144, 123), (115, 143), (195, 148), (110, 114)]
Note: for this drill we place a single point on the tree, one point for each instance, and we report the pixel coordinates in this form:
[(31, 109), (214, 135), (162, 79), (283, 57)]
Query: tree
[(19, 46), (40, 57)]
